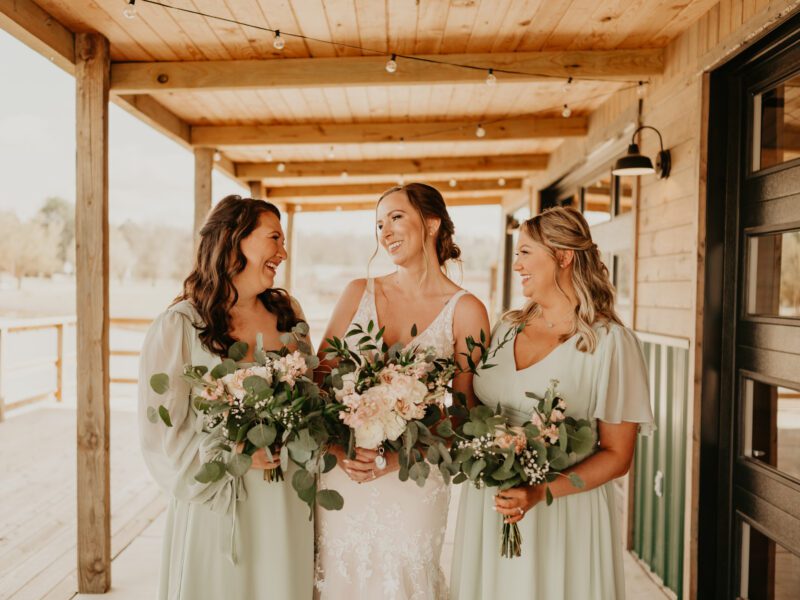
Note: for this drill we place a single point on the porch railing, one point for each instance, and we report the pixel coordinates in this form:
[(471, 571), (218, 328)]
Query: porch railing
[(61, 325)]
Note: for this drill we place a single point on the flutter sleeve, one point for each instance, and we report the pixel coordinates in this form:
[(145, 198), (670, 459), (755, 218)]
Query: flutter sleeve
[(173, 455), (622, 383)]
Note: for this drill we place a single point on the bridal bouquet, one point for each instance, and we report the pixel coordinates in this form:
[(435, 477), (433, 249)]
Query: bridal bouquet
[(490, 452), (394, 398), (270, 404)]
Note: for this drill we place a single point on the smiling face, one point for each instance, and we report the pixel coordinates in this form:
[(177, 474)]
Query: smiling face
[(401, 229), (264, 251), (535, 266)]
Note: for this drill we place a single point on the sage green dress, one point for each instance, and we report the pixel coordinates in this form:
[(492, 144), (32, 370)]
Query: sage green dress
[(572, 549), (259, 547)]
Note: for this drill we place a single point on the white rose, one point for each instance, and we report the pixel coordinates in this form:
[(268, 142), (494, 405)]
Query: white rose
[(370, 435), (393, 424)]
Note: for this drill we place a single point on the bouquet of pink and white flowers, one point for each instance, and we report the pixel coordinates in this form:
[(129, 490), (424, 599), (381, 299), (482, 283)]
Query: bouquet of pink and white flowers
[(394, 398), (272, 404), (490, 452)]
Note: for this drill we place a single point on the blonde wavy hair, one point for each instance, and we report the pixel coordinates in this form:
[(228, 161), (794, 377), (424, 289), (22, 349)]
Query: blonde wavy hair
[(564, 228)]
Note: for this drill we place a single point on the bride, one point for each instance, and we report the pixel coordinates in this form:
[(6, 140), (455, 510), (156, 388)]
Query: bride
[(387, 541)]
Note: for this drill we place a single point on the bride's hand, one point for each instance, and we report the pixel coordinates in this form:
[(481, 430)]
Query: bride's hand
[(362, 467)]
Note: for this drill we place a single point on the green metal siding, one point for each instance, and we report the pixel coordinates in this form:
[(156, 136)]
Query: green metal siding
[(658, 520)]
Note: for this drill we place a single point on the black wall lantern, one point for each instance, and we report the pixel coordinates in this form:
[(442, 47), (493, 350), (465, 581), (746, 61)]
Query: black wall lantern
[(635, 163)]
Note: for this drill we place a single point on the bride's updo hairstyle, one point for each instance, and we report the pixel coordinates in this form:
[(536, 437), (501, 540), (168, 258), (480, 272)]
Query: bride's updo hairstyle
[(209, 287), (564, 228), (429, 204)]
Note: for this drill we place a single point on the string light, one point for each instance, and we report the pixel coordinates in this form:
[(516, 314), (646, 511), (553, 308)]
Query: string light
[(640, 89), (269, 155), (344, 174), (331, 153), (281, 167), (278, 42), (217, 156), (401, 180), (480, 131), (130, 10), (567, 112), (298, 208), (338, 208), (391, 64), (501, 182), (568, 86), (453, 183), (491, 78), (401, 145)]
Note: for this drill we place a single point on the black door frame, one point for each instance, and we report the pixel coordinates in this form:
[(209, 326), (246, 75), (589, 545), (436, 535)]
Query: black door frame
[(727, 129)]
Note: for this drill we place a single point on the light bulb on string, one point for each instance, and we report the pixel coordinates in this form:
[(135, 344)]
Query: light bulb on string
[(453, 183), (480, 131), (568, 86), (130, 10), (281, 167), (391, 64), (338, 208), (344, 175), (278, 42), (217, 156), (567, 112), (331, 153), (401, 180), (501, 182), (640, 89), (401, 144), (269, 155), (491, 78)]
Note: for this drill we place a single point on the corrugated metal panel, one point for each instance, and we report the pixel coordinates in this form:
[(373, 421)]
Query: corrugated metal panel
[(660, 466)]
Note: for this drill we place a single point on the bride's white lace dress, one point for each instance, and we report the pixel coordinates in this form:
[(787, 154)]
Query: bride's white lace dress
[(387, 540)]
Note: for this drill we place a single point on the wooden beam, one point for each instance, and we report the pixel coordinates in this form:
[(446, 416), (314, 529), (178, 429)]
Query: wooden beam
[(361, 133), (332, 206), (33, 26), (256, 189), (203, 163), (155, 114), (376, 189), (431, 167), (92, 74), (289, 238), (292, 73)]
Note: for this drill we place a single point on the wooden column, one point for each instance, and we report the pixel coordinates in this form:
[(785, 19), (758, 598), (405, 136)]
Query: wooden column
[(3, 371), (92, 73), (287, 269), (203, 163), (257, 190)]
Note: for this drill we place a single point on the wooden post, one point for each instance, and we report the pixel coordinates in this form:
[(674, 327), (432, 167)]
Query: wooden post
[(287, 270), (60, 362), (203, 163), (3, 356), (256, 189), (92, 73)]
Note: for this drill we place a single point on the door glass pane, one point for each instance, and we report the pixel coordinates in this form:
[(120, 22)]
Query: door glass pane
[(773, 274), (769, 571), (597, 201), (777, 125), (627, 185), (772, 426)]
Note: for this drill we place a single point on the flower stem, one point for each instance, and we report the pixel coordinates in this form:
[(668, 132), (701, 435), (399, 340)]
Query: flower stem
[(273, 475), (511, 545)]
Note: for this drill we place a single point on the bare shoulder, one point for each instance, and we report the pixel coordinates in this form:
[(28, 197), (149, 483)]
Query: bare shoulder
[(470, 307), (353, 291)]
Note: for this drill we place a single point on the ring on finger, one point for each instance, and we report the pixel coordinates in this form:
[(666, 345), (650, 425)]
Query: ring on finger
[(521, 512)]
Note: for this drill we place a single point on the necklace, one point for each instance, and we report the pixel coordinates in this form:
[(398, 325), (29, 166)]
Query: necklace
[(551, 324)]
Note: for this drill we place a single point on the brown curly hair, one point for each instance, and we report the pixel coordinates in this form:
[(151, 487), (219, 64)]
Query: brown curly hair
[(209, 287)]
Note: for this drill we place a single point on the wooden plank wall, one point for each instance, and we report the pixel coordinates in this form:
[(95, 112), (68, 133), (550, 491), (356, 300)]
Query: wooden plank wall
[(671, 215)]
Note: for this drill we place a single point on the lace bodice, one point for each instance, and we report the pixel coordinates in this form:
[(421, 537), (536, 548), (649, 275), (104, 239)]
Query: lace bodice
[(439, 334)]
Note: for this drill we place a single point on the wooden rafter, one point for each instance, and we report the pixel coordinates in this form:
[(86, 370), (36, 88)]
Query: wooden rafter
[(462, 188), (347, 205), (431, 167), (148, 77), (437, 131)]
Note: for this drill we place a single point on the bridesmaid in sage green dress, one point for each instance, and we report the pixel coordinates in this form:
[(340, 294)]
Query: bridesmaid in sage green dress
[(572, 549), (220, 542)]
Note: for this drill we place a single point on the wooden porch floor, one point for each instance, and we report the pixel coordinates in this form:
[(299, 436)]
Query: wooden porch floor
[(37, 501)]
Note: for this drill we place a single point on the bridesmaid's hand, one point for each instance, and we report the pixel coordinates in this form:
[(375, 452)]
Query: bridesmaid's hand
[(260, 459), (515, 502)]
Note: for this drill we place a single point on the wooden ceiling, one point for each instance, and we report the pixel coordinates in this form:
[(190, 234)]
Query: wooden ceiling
[(318, 107)]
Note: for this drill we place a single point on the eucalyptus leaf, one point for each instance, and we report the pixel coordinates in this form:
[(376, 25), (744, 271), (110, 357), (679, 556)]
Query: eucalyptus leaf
[(303, 480), (239, 464), (255, 385), (476, 468), (164, 414), (238, 351), (576, 480), (160, 383), (328, 462), (152, 414), (548, 495), (262, 435), (210, 472), (330, 499), (301, 329)]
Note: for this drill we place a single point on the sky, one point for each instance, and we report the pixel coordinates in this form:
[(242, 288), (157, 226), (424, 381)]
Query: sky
[(150, 177)]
